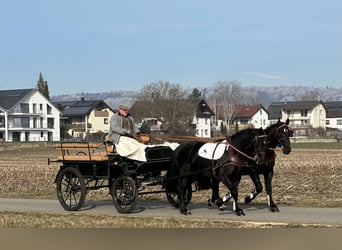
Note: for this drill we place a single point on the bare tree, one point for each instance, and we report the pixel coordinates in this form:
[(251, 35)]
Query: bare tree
[(224, 98), (167, 102)]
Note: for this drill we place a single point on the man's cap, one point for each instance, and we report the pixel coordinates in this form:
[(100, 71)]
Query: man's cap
[(123, 107)]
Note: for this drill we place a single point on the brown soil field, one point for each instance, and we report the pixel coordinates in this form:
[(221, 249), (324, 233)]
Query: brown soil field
[(305, 177)]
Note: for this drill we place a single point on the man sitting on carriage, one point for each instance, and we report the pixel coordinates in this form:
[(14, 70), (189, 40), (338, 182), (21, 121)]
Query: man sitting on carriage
[(123, 133)]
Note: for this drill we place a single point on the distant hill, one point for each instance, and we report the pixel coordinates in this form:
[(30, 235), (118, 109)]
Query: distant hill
[(262, 95), (112, 98)]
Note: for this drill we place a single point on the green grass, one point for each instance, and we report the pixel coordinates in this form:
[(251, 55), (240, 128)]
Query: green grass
[(317, 145)]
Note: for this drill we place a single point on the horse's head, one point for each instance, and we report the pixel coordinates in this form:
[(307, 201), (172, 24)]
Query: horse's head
[(282, 134), (260, 146)]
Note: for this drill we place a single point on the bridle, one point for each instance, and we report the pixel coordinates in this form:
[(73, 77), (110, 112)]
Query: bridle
[(277, 131), (256, 152), (240, 163)]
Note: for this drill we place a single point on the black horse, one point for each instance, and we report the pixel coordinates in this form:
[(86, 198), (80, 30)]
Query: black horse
[(246, 147), (278, 135)]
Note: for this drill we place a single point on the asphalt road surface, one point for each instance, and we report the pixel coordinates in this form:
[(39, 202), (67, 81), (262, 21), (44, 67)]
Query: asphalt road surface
[(254, 213)]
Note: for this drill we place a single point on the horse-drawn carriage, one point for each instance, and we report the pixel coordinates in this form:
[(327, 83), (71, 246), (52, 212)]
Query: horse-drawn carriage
[(90, 166)]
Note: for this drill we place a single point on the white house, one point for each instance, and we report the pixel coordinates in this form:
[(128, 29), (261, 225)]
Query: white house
[(27, 115), (255, 115), (305, 114), (334, 115), (82, 117), (305, 117), (202, 119)]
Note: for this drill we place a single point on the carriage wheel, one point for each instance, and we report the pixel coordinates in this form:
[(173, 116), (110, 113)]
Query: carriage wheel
[(124, 192), (71, 190), (173, 199)]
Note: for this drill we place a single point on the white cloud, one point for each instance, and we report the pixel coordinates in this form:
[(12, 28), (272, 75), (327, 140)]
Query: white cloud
[(266, 76)]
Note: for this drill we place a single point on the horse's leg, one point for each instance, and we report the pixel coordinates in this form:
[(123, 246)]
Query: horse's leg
[(258, 188), (268, 176), (183, 188), (215, 196), (232, 184)]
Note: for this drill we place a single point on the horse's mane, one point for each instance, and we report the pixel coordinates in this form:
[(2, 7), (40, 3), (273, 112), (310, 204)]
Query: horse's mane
[(242, 137), (273, 127)]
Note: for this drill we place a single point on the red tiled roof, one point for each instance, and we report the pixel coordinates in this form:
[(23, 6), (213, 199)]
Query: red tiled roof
[(246, 111)]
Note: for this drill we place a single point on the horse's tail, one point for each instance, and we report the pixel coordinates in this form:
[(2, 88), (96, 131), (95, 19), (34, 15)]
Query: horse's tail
[(182, 159)]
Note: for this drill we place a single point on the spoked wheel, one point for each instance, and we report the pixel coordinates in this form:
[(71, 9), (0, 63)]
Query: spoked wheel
[(124, 193), (71, 190), (173, 198)]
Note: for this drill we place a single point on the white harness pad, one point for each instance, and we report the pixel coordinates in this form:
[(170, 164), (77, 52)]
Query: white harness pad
[(213, 151)]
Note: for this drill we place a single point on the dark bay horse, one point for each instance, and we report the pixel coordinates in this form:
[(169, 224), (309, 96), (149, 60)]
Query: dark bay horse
[(246, 147), (278, 135)]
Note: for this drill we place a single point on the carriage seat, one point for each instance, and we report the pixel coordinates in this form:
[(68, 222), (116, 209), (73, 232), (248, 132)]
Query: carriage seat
[(84, 151)]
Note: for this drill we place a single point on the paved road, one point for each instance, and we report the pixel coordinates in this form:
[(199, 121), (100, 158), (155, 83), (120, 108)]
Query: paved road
[(300, 215)]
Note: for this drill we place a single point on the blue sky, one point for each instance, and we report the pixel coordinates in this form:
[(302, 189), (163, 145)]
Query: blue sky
[(105, 45)]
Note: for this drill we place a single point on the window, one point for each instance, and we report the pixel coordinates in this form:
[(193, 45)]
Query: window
[(105, 120), (40, 106), (304, 122), (35, 122), (304, 113), (21, 122), (24, 108), (48, 109), (51, 122), (339, 122), (327, 122)]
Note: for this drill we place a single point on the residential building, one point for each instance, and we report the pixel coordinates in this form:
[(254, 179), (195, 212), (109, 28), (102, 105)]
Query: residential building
[(83, 117), (27, 115), (255, 115), (202, 119), (303, 115), (334, 115)]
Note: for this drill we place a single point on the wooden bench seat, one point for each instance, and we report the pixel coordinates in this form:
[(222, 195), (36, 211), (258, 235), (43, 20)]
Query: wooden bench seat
[(76, 146), (84, 151)]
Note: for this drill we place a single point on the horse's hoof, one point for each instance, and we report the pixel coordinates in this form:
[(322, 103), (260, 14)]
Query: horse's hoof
[(274, 209), (248, 199), (209, 203), (219, 203), (222, 207), (186, 211), (239, 212)]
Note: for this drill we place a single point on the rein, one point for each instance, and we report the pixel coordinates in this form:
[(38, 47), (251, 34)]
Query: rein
[(239, 151), (244, 154)]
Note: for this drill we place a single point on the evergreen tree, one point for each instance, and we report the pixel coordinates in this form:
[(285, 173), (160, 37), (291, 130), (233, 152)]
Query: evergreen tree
[(195, 94), (43, 87)]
